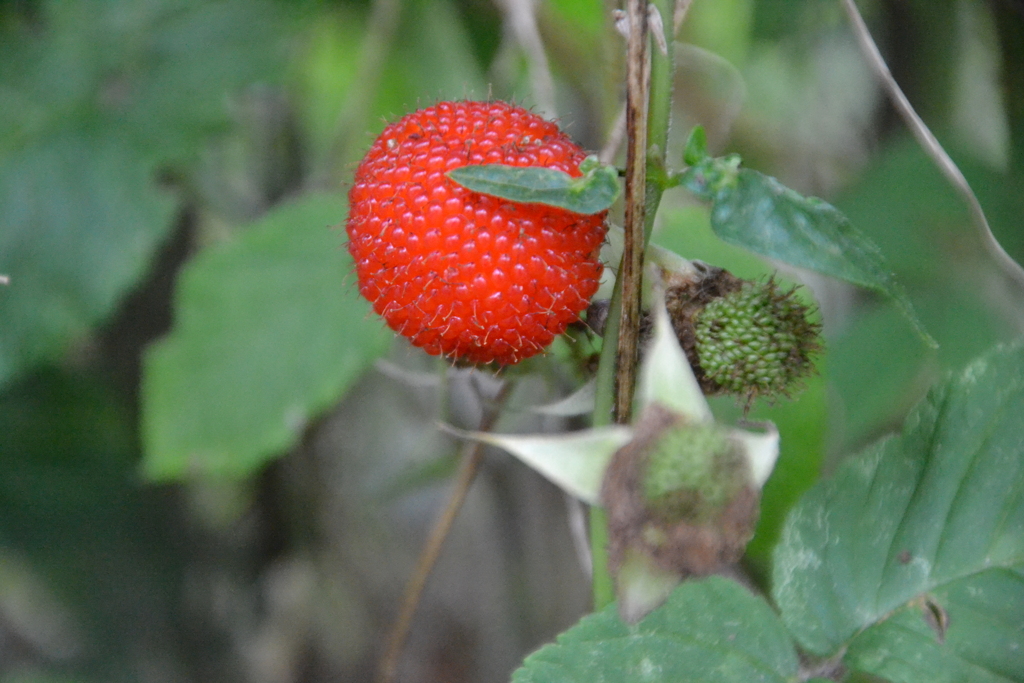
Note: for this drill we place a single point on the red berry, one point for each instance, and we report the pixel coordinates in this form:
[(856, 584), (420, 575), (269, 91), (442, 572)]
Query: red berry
[(459, 273)]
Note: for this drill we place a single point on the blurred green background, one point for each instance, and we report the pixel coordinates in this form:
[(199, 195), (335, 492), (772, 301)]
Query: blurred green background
[(216, 465)]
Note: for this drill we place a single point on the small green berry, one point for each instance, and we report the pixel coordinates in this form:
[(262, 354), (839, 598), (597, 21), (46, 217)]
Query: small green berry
[(692, 472), (756, 341)]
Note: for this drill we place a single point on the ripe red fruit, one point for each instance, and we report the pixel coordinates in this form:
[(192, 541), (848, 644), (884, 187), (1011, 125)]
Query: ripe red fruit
[(459, 273)]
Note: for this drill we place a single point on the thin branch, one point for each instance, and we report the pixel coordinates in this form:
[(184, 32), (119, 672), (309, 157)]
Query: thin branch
[(469, 466), (930, 144), (631, 271)]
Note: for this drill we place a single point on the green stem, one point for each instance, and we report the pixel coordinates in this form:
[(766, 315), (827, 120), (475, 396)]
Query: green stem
[(603, 585), (658, 122)]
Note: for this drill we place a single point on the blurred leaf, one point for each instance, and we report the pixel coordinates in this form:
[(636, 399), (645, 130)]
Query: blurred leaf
[(79, 220), (710, 630), (880, 368), (908, 208), (67, 443), (269, 331), (93, 101), (913, 516), (591, 193), (417, 72)]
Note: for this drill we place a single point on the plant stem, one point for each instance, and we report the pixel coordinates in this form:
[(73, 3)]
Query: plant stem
[(614, 390), (631, 268), (472, 457)]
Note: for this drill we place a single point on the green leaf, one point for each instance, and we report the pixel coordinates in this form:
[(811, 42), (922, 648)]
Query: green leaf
[(591, 193), (980, 637), (696, 149), (710, 630), (79, 221), (758, 213), (94, 100), (269, 332), (914, 517)]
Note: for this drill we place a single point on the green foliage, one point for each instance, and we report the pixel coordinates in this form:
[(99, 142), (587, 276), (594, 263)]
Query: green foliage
[(969, 630), (907, 565), (92, 104), (81, 218), (863, 568), (708, 630), (71, 507), (593, 192), (920, 528), (878, 366), (268, 333), (756, 212)]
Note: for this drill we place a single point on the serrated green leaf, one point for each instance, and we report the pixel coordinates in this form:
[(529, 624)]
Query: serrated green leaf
[(710, 630), (913, 515), (269, 332), (980, 638), (591, 193), (758, 213)]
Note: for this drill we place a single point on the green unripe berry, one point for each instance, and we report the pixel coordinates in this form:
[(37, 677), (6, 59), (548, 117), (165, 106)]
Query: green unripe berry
[(692, 472), (756, 341)]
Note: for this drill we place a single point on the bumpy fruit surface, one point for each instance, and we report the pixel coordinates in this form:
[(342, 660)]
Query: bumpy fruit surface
[(756, 341), (459, 273), (693, 471)]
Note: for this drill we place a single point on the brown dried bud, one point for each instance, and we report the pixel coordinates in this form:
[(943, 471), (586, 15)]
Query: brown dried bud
[(718, 504)]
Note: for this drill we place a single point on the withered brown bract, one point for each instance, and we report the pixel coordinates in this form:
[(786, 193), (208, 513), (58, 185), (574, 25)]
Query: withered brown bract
[(682, 546)]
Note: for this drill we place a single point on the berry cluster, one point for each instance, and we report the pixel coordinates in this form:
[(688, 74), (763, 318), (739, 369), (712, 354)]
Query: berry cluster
[(463, 274)]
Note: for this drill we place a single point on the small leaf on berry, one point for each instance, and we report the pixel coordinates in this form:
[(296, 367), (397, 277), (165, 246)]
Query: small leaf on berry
[(591, 193)]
